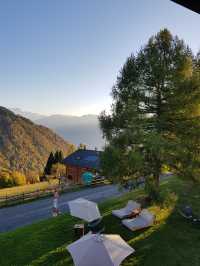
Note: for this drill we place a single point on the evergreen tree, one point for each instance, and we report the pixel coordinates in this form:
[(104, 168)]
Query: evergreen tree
[(154, 119), (56, 157), (61, 157), (82, 146), (50, 162)]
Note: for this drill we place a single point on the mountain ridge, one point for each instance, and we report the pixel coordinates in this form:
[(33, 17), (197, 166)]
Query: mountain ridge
[(25, 145), (30, 115), (76, 129)]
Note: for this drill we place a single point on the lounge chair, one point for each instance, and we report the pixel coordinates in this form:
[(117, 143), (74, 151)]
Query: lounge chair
[(128, 210), (143, 220)]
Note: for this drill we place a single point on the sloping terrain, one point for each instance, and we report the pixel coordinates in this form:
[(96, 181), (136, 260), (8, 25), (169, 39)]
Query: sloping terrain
[(25, 145)]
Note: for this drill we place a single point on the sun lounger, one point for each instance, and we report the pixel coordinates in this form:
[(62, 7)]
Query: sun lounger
[(128, 210), (143, 220)]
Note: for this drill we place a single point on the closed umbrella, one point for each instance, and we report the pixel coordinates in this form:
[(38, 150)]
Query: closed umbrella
[(84, 209), (99, 250)]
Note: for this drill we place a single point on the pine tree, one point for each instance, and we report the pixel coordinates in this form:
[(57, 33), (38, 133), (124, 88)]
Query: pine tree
[(61, 157), (50, 162), (56, 157)]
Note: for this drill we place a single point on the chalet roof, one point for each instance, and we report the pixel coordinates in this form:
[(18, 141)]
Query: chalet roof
[(194, 5), (84, 158)]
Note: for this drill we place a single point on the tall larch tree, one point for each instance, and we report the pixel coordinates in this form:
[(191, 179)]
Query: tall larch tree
[(154, 118)]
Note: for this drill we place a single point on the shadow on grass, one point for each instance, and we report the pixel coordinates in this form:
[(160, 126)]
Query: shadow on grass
[(113, 225), (60, 256), (172, 241)]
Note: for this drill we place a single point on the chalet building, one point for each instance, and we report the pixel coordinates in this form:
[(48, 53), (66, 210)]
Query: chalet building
[(81, 161)]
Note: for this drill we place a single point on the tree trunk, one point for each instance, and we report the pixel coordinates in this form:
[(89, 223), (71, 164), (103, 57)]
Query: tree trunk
[(157, 172)]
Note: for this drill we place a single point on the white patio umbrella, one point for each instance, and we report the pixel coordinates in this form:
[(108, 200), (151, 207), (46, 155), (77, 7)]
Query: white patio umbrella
[(99, 250), (84, 209)]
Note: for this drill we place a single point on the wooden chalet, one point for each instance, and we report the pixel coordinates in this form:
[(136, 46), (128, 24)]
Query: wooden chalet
[(81, 161)]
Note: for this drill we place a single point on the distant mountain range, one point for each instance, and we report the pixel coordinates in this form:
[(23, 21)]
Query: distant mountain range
[(25, 145), (84, 129), (32, 116)]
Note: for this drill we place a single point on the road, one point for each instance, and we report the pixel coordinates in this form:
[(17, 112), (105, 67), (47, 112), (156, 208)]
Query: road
[(24, 214)]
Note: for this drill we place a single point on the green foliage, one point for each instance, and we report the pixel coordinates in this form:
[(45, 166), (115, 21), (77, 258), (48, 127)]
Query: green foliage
[(165, 169), (169, 199), (154, 119), (186, 129)]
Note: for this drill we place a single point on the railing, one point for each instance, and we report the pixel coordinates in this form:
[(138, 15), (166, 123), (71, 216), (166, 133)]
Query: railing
[(41, 193), (24, 197)]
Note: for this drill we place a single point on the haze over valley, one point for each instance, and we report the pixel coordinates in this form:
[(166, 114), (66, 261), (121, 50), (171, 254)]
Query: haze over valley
[(75, 129)]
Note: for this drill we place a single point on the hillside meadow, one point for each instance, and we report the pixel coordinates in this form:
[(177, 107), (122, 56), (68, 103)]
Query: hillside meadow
[(27, 188)]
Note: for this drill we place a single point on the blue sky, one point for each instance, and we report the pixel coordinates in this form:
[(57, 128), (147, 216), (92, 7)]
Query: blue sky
[(64, 56)]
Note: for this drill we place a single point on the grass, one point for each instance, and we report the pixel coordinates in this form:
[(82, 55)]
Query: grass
[(26, 188), (171, 241)]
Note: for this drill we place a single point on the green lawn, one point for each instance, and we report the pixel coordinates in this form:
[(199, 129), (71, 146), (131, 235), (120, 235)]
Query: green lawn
[(171, 241)]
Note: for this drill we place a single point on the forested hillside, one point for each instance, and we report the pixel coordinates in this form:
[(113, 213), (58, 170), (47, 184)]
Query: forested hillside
[(26, 146)]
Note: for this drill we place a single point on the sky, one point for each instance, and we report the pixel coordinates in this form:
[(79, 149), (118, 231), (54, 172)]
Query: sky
[(63, 57)]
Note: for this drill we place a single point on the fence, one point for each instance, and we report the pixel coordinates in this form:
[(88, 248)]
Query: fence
[(41, 193)]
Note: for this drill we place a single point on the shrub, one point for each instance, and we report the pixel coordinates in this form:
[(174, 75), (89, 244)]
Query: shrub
[(170, 199), (6, 179), (18, 178)]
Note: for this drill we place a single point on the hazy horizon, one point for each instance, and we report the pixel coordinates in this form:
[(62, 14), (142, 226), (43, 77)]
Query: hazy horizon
[(16, 109), (64, 57), (75, 129)]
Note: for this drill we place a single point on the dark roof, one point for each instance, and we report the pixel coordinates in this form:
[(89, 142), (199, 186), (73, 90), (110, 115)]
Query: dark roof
[(84, 158), (194, 5)]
